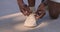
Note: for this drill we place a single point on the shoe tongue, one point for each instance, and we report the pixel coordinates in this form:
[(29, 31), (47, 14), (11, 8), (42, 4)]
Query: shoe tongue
[(30, 21)]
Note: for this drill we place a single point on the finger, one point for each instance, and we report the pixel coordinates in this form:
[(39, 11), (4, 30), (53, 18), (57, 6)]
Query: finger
[(22, 10), (37, 16)]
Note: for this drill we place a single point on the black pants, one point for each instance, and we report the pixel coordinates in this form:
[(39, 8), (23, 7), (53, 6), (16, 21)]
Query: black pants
[(54, 6)]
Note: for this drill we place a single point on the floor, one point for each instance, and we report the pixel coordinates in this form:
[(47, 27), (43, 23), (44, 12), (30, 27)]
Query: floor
[(12, 20)]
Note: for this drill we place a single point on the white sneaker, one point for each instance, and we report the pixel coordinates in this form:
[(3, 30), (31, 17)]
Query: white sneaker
[(30, 21)]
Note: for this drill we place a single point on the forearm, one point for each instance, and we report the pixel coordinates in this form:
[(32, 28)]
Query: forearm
[(44, 2), (20, 2), (31, 2)]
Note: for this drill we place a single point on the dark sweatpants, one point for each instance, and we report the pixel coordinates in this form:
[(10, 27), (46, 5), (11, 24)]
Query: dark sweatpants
[(53, 6)]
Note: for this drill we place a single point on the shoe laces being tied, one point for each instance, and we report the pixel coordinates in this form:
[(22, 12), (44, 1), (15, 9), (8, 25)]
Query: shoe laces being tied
[(40, 11), (40, 14)]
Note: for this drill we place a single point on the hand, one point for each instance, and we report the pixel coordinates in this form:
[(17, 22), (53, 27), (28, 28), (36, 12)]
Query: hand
[(39, 15), (25, 10), (40, 11)]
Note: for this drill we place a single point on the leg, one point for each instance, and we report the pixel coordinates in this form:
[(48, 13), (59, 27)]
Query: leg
[(54, 9)]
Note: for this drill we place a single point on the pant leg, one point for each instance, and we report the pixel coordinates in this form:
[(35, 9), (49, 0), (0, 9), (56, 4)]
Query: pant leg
[(53, 6)]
